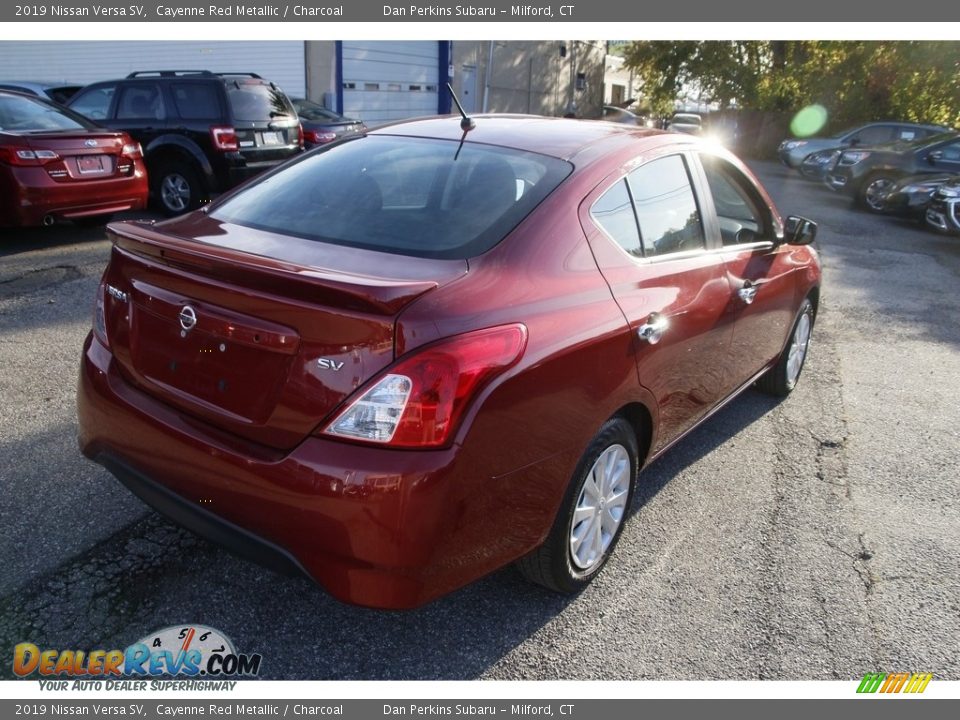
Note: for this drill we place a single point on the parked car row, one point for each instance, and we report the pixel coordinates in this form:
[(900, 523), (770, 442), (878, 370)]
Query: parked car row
[(895, 168), (196, 134)]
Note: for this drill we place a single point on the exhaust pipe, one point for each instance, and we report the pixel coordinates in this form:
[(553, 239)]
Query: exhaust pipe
[(48, 220)]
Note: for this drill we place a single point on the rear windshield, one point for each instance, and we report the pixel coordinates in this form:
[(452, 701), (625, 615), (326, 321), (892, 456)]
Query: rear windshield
[(311, 111), (22, 114), (411, 196), (256, 101)]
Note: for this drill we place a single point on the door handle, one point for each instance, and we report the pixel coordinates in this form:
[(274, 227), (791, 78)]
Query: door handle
[(652, 330), (748, 292)]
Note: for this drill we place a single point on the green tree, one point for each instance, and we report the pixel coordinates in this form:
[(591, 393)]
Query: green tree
[(856, 81)]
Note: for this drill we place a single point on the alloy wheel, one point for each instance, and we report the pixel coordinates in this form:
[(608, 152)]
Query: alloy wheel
[(175, 192), (797, 352), (600, 508)]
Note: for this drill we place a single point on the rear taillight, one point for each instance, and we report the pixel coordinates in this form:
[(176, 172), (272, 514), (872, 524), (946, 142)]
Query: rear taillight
[(318, 137), (132, 150), (100, 317), (224, 138), (301, 136), (130, 153), (418, 402), (13, 155)]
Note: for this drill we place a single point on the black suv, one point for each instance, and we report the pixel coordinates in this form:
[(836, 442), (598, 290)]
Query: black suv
[(201, 132)]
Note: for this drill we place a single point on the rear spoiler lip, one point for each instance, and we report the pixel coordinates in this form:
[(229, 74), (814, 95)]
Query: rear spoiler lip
[(363, 293)]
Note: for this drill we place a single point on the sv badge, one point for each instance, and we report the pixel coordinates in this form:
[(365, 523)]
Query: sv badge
[(328, 364)]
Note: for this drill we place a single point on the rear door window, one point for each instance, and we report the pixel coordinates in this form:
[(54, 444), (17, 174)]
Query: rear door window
[(142, 101), (196, 101), (874, 135), (614, 213), (666, 207)]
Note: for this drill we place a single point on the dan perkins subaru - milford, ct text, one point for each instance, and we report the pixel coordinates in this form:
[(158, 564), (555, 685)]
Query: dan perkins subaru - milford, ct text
[(475, 11)]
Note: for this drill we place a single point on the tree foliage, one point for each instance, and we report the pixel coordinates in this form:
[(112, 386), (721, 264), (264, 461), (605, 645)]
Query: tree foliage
[(855, 80)]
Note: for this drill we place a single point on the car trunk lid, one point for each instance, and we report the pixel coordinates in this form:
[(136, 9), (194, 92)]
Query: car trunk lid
[(261, 346), (80, 155)]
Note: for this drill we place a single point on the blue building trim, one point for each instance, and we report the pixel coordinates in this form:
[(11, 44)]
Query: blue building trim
[(339, 64), (445, 56)]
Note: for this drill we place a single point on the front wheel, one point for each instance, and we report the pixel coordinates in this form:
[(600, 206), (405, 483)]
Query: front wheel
[(591, 515), (782, 377), (873, 191)]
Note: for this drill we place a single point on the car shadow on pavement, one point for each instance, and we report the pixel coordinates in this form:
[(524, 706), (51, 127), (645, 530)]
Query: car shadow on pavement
[(14, 241), (719, 429)]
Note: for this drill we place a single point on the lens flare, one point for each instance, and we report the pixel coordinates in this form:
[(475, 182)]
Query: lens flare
[(808, 121)]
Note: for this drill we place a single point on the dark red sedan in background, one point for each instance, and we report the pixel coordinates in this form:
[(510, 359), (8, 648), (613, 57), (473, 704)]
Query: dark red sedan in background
[(57, 165), (420, 354)]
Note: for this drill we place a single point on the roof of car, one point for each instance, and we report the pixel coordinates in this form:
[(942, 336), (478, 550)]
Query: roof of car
[(559, 137), (35, 85)]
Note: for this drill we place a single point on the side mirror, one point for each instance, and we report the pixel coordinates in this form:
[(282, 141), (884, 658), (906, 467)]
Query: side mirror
[(853, 142), (935, 156), (799, 231)]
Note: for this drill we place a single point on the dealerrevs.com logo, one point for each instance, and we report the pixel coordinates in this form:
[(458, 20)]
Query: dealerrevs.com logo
[(194, 651)]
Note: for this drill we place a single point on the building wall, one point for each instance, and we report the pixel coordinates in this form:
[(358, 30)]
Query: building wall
[(84, 62), (321, 59), (380, 81), (617, 75), (538, 77)]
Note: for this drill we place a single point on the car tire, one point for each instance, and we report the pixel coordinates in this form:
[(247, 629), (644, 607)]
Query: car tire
[(586, 529), (781, 379), (176, 188), (872, 188)]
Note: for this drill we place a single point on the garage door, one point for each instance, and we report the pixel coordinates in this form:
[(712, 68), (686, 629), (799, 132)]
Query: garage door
[(384, 81), (281, 62)]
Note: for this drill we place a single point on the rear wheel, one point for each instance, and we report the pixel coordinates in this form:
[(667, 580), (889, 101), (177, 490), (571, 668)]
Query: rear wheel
[(873, 190), (782, 377), (592, 513), (177, 188)]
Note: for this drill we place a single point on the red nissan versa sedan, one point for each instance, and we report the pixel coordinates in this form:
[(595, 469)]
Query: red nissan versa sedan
[(410, 357), (56, 164)]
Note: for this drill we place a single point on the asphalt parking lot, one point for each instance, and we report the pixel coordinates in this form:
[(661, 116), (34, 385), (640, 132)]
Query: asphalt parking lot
[(815, 538)]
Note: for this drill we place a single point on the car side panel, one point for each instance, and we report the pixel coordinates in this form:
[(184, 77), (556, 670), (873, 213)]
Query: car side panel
[(577, 371)]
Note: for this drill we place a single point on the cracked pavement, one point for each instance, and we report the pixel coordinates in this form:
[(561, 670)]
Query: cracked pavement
[(815, 538)]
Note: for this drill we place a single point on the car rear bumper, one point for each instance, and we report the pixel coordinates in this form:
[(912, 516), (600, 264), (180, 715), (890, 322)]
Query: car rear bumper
[(36, 197), (239, 170), (375, 527)]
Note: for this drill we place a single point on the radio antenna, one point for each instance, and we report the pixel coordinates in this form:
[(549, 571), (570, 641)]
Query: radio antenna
[(467, 123)]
